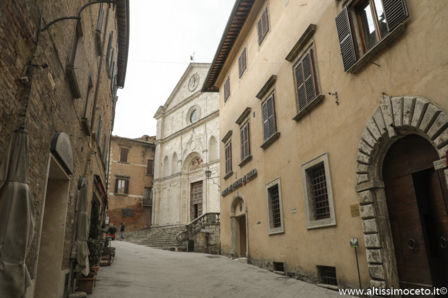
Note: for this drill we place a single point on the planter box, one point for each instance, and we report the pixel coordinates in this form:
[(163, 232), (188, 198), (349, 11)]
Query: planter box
[(86, 284)]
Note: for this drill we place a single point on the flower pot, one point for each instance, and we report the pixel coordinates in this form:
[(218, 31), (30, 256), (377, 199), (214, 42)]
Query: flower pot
[(86, 283), (94, 269)]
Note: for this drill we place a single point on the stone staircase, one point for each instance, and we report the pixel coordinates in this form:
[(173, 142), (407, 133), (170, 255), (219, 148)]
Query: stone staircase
[(163, 237)]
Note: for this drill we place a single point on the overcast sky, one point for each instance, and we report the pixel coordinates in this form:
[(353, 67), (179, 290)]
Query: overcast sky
[(163, 35)]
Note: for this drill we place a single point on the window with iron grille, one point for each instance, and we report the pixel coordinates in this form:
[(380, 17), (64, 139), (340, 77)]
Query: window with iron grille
[(245, 140), (269, 119), (327, 275), (227, 89), (228, 154), (274, 207), (318, 193), (124, 154), (365, 24), (242, 62), (263, 25), (318, 186), (122, 185), (150, 167), (305, 77)]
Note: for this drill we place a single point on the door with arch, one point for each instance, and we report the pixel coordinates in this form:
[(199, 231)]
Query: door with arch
[(417, 201), (239, 232)]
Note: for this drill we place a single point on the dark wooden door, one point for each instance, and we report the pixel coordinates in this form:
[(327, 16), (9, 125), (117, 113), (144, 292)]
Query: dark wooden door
[(416, 199), (196, 200)]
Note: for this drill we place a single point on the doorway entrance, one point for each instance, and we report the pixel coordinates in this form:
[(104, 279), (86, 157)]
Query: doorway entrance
[(238, 220), (50, 275), (195, 200), (241, 235), (417, 201)]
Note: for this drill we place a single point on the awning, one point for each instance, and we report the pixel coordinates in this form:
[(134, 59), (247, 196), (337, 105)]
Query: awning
[(16, 219), (82, 230)]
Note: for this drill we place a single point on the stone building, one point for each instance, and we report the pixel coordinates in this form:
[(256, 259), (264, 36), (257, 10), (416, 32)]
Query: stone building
[(61, 63), (333, 129), (131, 170), (186, 147)]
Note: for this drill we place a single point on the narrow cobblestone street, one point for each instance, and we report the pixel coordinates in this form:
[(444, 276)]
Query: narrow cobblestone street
[(140, 271)]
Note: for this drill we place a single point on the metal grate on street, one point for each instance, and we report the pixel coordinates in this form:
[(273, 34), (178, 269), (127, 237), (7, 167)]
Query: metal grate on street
[(319, 193), (327, 275)]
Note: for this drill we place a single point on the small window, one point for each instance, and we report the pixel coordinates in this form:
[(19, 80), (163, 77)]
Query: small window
[(109, 48), (150, 167), (245, 141), (227, 89), (263, 25), (318, 194), (305, 77), (99, 24), (98, 132), (147, 196), (228, 154), (364, 25), (327, 275), (242, 63), (124, 154), (122, 185), (269, 119), (194, 116), (274, 207)]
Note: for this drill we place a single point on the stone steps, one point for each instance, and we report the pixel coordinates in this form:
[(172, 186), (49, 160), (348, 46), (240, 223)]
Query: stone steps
[(163, 237)]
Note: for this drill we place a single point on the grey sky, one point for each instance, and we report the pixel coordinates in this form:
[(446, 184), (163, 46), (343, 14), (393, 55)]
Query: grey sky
[(164, 33)]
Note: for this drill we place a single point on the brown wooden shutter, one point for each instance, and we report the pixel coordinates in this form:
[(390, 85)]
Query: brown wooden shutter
[(346, 41), (116, 185), (300, 85), (266, 131), (227, 89), (126, 186), (99, 24), (260, 31), (395, 12), (265, 23)]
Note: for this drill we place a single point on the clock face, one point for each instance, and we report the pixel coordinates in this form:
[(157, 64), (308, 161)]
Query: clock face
[(193, 82)]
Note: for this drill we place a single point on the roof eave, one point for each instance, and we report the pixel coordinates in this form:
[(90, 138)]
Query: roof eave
[(123, 40)]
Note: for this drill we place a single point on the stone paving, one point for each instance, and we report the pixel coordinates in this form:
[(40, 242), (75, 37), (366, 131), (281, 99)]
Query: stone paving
[(140, 271)]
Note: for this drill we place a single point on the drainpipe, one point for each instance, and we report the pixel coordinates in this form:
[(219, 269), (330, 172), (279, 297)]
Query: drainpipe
[(355, 244)]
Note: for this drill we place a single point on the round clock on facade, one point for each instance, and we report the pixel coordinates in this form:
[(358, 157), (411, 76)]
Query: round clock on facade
[(193, 82)]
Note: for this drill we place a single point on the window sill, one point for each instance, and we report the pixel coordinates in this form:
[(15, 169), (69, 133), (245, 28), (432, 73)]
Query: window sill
[(316, 101), (126, 162), (121, 194), (277, 231), (245, 161), (370, 54), (229, 174), (323, 223), (270, 140)]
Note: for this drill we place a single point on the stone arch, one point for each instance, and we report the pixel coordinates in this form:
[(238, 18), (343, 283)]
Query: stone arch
[(212, 149), (174, 166), (395, 118), (238, 206), (193, 157), (166, 166)]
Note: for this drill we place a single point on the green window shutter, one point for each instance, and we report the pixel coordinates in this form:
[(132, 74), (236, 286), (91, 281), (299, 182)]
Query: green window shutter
[(346, 41), (395, 12)]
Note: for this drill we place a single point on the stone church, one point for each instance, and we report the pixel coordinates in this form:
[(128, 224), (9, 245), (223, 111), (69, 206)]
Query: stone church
[(186, 177)]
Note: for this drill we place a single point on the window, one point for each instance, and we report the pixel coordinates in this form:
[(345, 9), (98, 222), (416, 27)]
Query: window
[(242, 63), (327, 275), (109, 48), (227, 89), (274, 207), (263, 25), (124, 154), (318, 194), (269, 121), (245, 141), (194, 116), (305, 77), (228, 154), (122, 185), (150, 167), (364, 25), (98, 132)]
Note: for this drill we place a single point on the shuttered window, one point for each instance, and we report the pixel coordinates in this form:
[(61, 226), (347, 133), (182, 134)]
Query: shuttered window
[(227, 89), (150, 167), (245, 137), (124, 154), (99, 24), (373, 20), (109, 47), (98, 132), (228, 155), (122, 185), (242, 62), (263, 25), (269, 119), (305, 79), (274, 206)]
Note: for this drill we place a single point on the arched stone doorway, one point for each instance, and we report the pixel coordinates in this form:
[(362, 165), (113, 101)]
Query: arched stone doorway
[(400, 164), (238, 221)]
